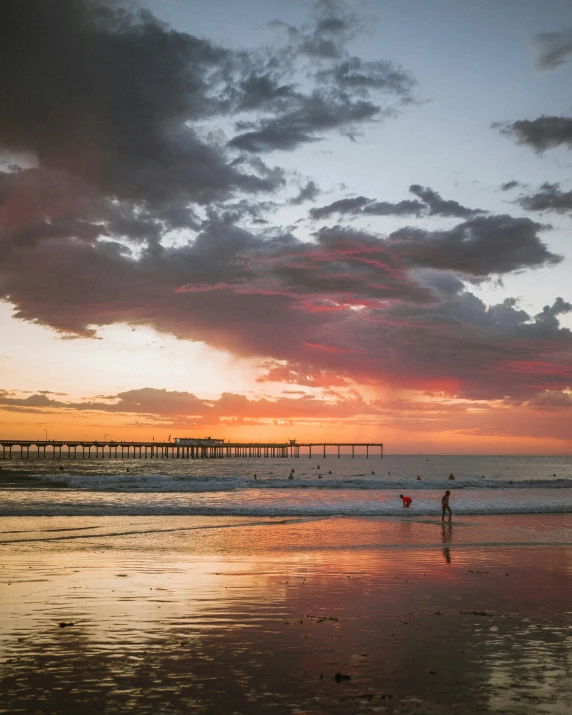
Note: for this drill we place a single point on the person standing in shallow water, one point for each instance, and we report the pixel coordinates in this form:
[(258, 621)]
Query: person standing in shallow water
[(406, 501), (445, 506)]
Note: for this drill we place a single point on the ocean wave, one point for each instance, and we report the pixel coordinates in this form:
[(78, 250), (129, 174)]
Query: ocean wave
[(195, 484), (275, 510)]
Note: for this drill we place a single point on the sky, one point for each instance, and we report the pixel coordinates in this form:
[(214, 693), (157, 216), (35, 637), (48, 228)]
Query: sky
[(288, 219)]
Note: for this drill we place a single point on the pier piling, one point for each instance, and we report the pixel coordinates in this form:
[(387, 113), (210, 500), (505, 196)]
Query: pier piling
[(42, 449)]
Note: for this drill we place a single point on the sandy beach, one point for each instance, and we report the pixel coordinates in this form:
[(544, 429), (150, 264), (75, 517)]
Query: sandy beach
[(242, 615)]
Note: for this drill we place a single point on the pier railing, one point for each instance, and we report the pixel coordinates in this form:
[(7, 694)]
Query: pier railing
[(81, 449)]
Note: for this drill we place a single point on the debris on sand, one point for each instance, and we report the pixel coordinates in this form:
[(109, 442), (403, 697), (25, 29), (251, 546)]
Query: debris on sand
[(487, 614), (338, 677), (320, 619)]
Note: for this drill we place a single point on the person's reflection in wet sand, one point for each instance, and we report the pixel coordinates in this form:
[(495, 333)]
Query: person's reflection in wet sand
[(447, 533)]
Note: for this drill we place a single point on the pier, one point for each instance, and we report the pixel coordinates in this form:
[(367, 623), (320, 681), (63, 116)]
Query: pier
[(200, 449)]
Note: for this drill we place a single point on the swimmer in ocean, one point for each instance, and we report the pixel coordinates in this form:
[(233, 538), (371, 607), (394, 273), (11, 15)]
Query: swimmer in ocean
[(406, 501), (445, 505)]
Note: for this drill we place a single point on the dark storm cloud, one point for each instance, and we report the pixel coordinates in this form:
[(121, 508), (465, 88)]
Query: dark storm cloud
[(549, 197), (351, 305), (456, 346), (105, 102), (232, 287), (543, 133), (110, 98), (344, 262), (554, 49), (106, 96), (479, 247), (109, 104)]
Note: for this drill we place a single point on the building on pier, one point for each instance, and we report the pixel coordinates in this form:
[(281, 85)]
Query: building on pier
[(196, 441)]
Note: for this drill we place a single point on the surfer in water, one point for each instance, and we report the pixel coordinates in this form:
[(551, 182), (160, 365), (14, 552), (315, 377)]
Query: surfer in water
[(406, 501), (445, 506)]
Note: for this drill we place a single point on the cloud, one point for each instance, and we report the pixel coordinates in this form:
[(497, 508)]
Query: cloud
[(319, 305), (118, 115), (361, 205), (34, 401), (307, 375), (230, 408), (549, 197), (340, 92), (342, 206), (554, 49), (431, 204), (309, 192), (333, 26), (442, 207), (551, 401), (109, 105), (309, 117), (107, 96), (479, 246), (509, 185), (543, 133)]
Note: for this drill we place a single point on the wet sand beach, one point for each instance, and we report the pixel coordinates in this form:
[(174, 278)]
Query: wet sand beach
[(286, 615)]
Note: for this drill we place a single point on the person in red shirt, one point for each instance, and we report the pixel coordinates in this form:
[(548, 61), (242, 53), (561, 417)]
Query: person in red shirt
[(406, 501)]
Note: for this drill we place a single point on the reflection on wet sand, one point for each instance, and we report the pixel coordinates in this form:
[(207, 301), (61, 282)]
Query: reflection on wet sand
[(218, 626), (447, 535)]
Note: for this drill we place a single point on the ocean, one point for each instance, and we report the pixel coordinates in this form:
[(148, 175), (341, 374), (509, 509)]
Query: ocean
[(319, 487)]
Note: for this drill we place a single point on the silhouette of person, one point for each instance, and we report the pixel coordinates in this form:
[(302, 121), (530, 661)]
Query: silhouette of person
[(445, 506)]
